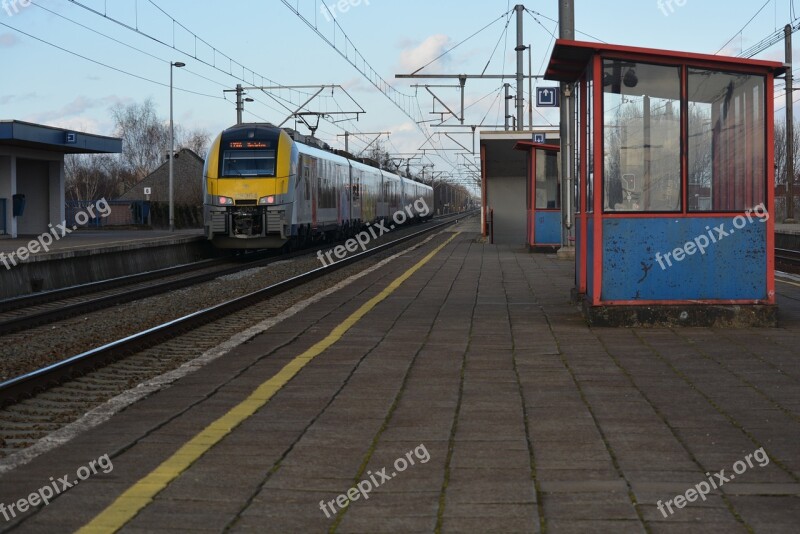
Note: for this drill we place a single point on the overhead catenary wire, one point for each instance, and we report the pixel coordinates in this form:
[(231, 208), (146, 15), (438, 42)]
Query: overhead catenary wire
[(440, 56), (221, 62), (106, 65), (254, 79), (278, 98), (743, 27), (143, 52)]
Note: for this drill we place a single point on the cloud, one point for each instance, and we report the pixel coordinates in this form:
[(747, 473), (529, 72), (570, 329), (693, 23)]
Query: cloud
[(407, 126), (730, 50), (14, 99), (74, 114), (423, 53), (356, 85), (8, 40), (82, 124)]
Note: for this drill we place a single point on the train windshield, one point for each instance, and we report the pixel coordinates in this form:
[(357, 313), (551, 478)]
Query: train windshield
[(248, 163)]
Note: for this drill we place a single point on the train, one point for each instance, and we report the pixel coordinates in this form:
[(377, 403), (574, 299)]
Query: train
[(268, 187)]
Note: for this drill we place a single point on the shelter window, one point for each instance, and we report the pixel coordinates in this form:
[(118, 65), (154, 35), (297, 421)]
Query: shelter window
[(548, 187), (726, 142), (642, 137)]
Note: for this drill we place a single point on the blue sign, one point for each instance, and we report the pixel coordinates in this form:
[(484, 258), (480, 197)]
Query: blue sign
[(71, 138), (547, 97), (538, 138)]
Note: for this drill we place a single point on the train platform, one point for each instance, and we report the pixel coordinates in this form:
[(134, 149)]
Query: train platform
[(39, 263), (457, 389), (98, 241), (789, 229)]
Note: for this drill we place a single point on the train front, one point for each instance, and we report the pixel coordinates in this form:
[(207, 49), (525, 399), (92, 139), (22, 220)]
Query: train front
[(248, 187)]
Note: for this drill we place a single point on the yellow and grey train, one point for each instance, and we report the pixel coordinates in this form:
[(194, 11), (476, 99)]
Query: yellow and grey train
[(266, 187)]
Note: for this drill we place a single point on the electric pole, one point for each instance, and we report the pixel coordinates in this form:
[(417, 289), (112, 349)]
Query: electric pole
[(789, 129), (566, 25), (520, 9)]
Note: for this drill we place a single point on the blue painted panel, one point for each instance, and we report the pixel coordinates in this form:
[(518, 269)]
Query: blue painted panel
[(547, 227), (589, 257), (648, 259)]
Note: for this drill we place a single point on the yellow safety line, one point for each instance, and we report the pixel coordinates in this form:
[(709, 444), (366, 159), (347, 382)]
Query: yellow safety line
[(138, 496)]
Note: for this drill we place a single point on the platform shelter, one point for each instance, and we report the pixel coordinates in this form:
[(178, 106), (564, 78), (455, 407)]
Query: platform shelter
[(675, 188), (505, 184), (544, 195), (32, 173)]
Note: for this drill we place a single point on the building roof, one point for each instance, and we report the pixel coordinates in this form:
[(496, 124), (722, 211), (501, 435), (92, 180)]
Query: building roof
[(41, 137), (530, 145), (187, 181), (569, 59)]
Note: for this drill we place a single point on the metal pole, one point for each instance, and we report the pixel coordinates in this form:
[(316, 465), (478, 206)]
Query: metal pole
[(506, 86), (172, 147), (566, 22), (171, 154), (520, 72), (789, 129), (463, 81), (347, 142), (530, 87), (239, 103)]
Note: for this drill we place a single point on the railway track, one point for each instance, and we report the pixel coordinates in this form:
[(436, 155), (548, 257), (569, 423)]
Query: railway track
[(26, 312), (69, 369), (788, 257), (23, 313)]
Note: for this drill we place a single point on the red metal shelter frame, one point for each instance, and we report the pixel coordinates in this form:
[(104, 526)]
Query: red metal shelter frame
[(577, 61)]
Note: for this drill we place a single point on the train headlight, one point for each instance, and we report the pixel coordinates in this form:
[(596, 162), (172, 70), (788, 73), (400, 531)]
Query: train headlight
[(267, 200), (225, 201)]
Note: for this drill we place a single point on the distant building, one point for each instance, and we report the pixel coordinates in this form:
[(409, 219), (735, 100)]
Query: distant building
[(187, 181)]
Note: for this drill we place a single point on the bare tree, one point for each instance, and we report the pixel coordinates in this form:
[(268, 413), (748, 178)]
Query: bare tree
[(196, 140), (780, 151), (90, 177), (144, 138), (377, 152)]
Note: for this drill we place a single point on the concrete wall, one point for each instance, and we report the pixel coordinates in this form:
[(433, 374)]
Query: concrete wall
[(506, 196), (57, 204), (7, 189), (68, 268), (33, 181)]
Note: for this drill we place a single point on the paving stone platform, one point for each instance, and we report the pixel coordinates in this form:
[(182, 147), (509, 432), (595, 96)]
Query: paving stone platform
[(516, 415)]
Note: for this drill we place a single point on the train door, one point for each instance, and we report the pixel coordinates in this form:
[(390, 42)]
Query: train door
[(343, 187), (355, 195), (311, 173), (327, 201), (394, 203)]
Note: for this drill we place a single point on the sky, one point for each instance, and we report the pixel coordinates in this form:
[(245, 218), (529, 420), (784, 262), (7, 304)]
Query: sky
[(67, 63)]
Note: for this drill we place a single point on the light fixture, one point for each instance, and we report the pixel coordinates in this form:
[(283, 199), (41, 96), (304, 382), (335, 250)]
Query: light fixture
[(630, 79)]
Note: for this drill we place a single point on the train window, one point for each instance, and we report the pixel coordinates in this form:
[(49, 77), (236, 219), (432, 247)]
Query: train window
[(642, 141), (250, 163), (726, 146)]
